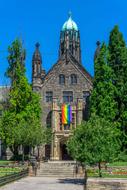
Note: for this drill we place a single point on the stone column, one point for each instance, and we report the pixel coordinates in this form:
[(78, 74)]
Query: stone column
[(79, 111), (54, 114), (55, 141), (52, 149), (55, 149)]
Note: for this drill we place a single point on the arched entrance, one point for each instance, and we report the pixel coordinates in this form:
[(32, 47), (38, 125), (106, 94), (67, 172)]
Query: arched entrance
[(64, 153), (47, 151)]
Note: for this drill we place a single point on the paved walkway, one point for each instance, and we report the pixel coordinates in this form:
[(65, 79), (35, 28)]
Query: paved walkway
[(41, 183)]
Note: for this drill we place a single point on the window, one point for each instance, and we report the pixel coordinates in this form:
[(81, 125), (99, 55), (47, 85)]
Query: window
[(49, 120), (73, 120), (39, 69), (86, 95), (73, 79), (66, 126), (49, 95), (61, 79), (60, 124), (67, 96)]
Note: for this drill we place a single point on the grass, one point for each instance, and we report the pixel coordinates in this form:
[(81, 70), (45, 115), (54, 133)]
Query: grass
[(118, 164), (109, 173), (9, 167), (5, 162), (7, 170)]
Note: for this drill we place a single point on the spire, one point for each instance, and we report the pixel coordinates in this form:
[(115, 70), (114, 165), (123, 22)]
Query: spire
[(37, 72), (36, 62), (37, 45), (37, 54), (97, 51)]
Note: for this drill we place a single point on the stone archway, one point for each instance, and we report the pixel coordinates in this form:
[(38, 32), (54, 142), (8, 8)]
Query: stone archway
[(64, 155)]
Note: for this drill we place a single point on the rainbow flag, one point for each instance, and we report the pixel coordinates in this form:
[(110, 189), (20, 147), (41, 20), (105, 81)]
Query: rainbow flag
[(66, 114)]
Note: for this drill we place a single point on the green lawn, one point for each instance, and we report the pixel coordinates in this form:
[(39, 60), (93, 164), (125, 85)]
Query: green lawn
[(9, 167), (118, 164), (5, 162), (7, 170), (111, 172)]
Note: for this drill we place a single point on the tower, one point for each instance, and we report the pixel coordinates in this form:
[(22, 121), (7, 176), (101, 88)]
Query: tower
[(64, 88), (37, 72), (70, 39)]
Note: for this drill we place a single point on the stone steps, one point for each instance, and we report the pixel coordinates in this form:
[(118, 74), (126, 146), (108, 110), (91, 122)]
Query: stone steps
[(60, 169)]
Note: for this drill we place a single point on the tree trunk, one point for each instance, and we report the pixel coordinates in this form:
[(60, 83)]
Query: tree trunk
[(15, 151), (85, 178), (22, 153), (99, 166), (33, 150), (38, 149)]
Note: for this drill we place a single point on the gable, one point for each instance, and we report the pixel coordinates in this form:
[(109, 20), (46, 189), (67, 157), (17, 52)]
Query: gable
[(67, 68)]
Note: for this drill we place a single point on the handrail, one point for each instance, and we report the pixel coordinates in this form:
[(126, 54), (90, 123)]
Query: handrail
[(12, 177)]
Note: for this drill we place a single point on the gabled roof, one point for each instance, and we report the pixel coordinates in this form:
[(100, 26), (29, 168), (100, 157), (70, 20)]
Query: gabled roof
[(75, 63), (80, 66)]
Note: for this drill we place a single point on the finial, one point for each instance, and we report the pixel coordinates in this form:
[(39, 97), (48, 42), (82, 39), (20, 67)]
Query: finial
[(98, 43), (97, 52), (37, 45), (70, 14)]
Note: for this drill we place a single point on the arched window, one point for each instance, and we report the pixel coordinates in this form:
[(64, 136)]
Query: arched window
[(86, 96), (49, 96), (73, 79), (49, 120), (61, 79)]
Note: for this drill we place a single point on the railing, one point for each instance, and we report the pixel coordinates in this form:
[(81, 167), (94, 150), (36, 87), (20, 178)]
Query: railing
[(9, 177)]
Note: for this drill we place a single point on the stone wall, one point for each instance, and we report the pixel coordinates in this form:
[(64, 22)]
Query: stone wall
[(51, 83)]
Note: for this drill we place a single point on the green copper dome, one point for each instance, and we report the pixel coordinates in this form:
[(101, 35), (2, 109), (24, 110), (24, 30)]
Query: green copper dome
[(70, 24)]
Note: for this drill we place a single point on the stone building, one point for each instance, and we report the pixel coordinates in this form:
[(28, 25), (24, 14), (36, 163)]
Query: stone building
[(67, 82)]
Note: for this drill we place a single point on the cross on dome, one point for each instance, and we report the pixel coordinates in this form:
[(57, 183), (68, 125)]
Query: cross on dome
[(70, 14)]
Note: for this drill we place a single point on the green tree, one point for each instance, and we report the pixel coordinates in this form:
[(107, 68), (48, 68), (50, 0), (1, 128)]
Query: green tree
[(16, 56), (21, 122), (102, 97), (118, 63), (93, 142)]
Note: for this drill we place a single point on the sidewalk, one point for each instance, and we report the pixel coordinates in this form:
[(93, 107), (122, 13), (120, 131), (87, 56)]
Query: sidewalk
[(45, 183), (41, 183)]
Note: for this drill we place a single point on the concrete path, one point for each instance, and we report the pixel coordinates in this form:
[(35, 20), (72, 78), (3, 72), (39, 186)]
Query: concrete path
[(41, 183), (45, 183)]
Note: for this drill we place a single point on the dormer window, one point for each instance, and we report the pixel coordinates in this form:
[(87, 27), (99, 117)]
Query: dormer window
[(73, 79), (61, 79)]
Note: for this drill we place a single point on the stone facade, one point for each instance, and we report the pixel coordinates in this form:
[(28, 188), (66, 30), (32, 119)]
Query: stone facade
[(73, 88)]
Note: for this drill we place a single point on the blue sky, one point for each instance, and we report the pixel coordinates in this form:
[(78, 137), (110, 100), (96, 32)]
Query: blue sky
[(41, 21)]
